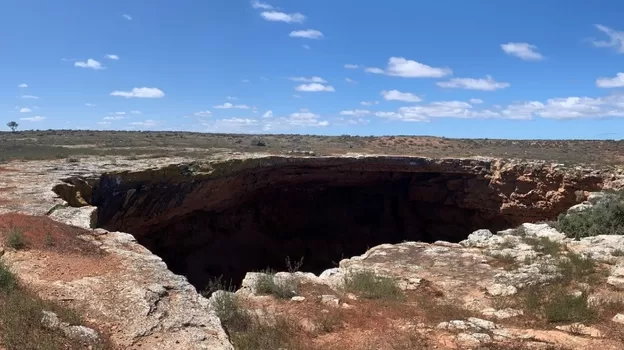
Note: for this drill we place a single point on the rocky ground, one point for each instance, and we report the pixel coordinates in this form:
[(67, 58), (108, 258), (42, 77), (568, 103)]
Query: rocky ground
[(528, 287), (525, 288)]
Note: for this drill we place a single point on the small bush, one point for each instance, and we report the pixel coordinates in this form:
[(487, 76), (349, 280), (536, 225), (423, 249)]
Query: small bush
[(15, 238), (293, 266), (7, 279), (544, 245), (218, 283), (556, 304), (563, 307), (48, 240), (281, 289), (575, 266), (604, 218), (233, 317), (267, 334), (370, 286), (505, 258), (329, 322)]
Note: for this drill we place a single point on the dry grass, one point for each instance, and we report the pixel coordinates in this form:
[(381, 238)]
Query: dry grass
[(280, 288), (370, 286), (20, 319)]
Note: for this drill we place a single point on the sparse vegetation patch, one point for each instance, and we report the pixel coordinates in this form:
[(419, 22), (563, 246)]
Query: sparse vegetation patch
[(369, 285)]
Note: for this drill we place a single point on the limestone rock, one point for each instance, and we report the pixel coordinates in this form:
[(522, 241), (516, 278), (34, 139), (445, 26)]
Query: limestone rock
[(85, 216), (503, 313), (619, 318), (616, 278), (501, 290), (297, 298), (330, 300), (82, 333)]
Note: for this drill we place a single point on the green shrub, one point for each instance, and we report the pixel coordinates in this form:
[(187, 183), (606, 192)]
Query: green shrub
[(370, 286), (564, 307), (604, 218), (15, 238), (7, 279), (554, 303), (281, 289), (576, 266)]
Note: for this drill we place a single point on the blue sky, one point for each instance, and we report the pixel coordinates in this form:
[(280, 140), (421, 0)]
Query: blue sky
[(496, 69)]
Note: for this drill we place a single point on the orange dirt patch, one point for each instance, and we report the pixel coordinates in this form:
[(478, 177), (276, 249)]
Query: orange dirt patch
[(43, 233)]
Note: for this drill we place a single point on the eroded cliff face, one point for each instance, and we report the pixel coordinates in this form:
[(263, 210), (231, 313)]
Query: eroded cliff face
[(228, 218)]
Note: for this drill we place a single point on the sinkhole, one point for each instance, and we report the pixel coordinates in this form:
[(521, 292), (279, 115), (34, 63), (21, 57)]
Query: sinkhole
[(236, 218)]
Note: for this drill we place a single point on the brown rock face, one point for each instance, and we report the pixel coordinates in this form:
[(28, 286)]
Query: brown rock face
[(237, 216)]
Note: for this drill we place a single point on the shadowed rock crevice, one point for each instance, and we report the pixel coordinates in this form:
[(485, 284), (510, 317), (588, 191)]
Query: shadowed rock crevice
[(232, 218)]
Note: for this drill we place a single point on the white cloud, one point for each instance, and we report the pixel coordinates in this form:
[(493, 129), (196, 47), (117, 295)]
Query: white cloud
[(112, 57), (30, 97), (232, 98), (104, 123), (119, 113), (135, 112), (617, 81), (127, 16), (307, 34), (570, 108), (268, 114), (396, 95), (524, 51), (374, 70), (23, 85), (369, 103), (143, 92), (89, 105), (475, 101), (260, 5), (25, 110), (305, 118), (487, 84), (296, 96), (356, 112), (315, 88), (91, 63), (616, 39), (244, 125), (228, 105), (554, 108), (146, 123), (203, 114), (308, 80), (401, 67), (307, 47), (33, 119), (245, 81), (350, 81), (275, 16), (118, 117), (351, 66)]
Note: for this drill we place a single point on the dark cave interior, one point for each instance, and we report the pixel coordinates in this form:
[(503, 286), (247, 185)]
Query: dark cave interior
[(321, 221)]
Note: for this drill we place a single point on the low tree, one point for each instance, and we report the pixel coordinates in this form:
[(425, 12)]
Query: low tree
[(13, 125)]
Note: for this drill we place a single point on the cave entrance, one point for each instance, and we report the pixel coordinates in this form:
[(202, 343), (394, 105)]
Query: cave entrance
[(320, 221)]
